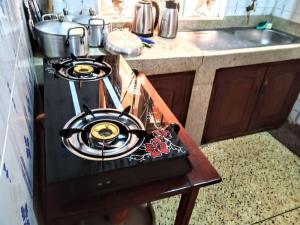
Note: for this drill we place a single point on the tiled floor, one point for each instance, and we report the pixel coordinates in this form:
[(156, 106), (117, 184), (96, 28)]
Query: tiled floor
[(289, 136), (261, 185)]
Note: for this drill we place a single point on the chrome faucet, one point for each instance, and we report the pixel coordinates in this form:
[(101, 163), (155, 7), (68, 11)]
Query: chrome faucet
[(250, 8)]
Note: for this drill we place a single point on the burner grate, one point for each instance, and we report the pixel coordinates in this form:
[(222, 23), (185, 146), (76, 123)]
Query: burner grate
[(104, 134), (82, 69)]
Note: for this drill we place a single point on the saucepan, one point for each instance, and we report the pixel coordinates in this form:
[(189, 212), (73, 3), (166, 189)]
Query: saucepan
[(59, 38)]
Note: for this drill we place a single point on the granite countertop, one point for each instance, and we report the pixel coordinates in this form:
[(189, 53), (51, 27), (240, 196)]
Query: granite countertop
[(178, 55), (166, 56)]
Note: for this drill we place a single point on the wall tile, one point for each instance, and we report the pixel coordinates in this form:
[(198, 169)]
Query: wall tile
[(232, 3), (75, 7), (14, 194), (289, 10), (16, 117)]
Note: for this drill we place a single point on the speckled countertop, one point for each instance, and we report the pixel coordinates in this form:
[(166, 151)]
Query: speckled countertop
[(178, 55), (166, 56)]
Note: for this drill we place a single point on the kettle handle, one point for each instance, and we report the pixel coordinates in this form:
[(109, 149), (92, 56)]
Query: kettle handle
[(156, 6)]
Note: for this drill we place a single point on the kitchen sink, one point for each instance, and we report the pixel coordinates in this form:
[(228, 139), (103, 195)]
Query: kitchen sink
[(235, 38), (265, 37)]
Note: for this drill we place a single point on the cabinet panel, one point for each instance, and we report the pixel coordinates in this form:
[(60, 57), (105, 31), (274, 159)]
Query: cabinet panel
[(175, 89), (279, 92), (233, 100)]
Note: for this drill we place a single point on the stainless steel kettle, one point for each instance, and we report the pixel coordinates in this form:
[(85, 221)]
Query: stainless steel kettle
[(144, 22), (169, 21)]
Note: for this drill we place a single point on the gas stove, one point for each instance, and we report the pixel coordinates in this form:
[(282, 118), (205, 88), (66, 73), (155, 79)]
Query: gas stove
[(103, 134), (82, 69), (103, 131)]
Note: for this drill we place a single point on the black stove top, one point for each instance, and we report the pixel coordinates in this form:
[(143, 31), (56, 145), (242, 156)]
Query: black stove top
[(95, 139)]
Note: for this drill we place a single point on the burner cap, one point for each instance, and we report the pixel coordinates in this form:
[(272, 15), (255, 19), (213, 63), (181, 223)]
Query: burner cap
[(103, 136), (105, 131), (83, 69)]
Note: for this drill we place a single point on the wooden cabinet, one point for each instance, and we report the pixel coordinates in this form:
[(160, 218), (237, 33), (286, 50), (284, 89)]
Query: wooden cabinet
[(277, 96), (175, 89), (233, 100), (251, 98)]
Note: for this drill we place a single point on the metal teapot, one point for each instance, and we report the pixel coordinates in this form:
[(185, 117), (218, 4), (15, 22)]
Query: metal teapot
[(144, 22), (169, 21)]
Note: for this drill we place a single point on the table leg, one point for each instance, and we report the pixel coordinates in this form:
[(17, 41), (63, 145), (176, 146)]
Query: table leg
[(186, 206)]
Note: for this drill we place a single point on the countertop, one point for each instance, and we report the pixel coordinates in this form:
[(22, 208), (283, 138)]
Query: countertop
[(166, 56), (178, 55)]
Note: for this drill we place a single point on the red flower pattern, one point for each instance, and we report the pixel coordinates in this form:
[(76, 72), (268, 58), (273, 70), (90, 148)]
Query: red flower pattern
[(157, 147), (162, 134)]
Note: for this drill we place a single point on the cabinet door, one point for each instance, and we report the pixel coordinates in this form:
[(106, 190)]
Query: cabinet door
[(232, 102), (175, 89), (278, 94)]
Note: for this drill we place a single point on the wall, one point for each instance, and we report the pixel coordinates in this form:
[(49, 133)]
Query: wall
[(233, 7), (17, 78), (295, 113), (289, 10), (238, 7)]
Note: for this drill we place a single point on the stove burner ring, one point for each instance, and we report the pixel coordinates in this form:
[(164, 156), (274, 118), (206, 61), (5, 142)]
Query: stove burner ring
[(83, 69), (105, 131)]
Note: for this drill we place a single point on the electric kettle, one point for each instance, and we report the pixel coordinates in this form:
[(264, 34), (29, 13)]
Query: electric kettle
[(144, 22), (169, 21)]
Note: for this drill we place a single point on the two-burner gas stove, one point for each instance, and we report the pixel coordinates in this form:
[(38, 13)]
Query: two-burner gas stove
[(103, 131)]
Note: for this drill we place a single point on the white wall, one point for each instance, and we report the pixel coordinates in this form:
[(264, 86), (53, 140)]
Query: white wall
[(289, 10), (75, 6), (238, 7), (17, 78), (295, 113)]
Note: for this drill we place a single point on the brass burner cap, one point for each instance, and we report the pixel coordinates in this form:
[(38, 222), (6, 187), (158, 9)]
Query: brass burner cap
[(83, 69), (105, 131)]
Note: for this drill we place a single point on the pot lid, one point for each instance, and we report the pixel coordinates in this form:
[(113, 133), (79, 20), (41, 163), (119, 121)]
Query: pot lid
[(57, 27), (123, 42), (145, 2), (84, 20)]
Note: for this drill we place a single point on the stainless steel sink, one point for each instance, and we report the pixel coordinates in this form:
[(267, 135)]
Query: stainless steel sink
[(265, 37), (235, 38)]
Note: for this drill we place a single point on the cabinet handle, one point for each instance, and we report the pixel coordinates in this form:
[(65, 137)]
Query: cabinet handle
[(257, 90), (264, 87)]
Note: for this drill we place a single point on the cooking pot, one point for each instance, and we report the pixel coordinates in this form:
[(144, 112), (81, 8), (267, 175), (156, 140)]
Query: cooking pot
[(96, 27), (58, 38), (123, 42)]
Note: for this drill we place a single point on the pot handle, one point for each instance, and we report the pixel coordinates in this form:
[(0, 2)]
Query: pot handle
[(89, 24), (157, 12), (67, 43), (51, 16)]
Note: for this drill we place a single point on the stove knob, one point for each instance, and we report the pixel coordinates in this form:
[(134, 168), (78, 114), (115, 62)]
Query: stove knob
[(100, 184)]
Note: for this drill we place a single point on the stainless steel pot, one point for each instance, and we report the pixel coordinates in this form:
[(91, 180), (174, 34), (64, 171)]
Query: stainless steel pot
[(58, 38), (96, 27), (123, 42)]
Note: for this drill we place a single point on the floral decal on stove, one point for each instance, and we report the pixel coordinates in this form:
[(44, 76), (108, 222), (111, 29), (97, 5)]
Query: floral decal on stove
[(157, 146)]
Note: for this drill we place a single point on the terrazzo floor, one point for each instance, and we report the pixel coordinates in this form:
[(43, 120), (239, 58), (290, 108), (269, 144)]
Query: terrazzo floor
[(261, 185), (289, 135)]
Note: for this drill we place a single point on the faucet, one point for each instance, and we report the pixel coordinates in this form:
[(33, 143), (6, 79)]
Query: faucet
[(250, 8)]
